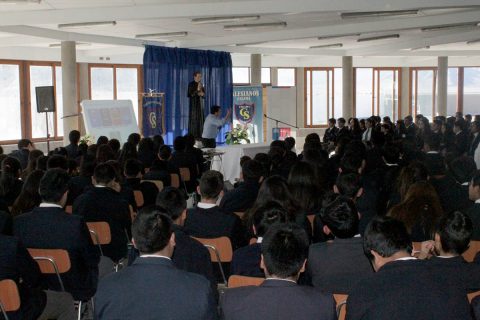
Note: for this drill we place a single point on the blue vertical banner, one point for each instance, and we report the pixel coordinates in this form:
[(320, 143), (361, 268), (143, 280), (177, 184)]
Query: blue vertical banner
[(153, 114), (248, 111)]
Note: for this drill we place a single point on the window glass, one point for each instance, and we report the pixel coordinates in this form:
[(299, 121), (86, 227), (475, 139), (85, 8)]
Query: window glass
[(266, 76), (11, 120), (241, 75), (364, 92), (127, 86), (286, 77), (101, 83), (40, 76), (452, 91), (471, 91)]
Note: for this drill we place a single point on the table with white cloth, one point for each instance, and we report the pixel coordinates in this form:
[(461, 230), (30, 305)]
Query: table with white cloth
[(228, 162)]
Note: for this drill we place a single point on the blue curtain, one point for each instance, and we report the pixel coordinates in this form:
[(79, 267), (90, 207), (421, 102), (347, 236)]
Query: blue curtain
[(169, 70)]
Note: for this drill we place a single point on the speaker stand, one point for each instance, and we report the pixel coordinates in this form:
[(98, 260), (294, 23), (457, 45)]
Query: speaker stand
[(48, 134)]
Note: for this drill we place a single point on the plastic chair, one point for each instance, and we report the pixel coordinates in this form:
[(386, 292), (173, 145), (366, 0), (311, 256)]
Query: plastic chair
[(341, 301), (9, 297), (185, 174), (252, 240), (158, 183), (220, 251), (138, 198), (472, 295), (174, 180), (472, 251), (100, 233), (236, 281)]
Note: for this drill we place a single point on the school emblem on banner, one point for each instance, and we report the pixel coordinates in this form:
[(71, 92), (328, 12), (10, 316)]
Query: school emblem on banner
[(153, 114), (245, 112)]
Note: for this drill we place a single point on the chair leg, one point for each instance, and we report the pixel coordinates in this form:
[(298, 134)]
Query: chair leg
[(79, 310), (223, 273)]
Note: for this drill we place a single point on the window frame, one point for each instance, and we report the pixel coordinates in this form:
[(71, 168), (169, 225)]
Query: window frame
[(294, 77), (249, 76), (330, 97)]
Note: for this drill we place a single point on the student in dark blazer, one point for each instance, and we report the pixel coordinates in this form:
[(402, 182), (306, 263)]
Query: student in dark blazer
[(207, 220), (461, 137), (73, 152), (474, 211), (336, 266), (16, 264), (243, 197), (401, 281), (133, 174), (104, 203), (152, 288), (284, 254), (330, 135), (49, 227), (246, 260), (183, 159), (475, 139)]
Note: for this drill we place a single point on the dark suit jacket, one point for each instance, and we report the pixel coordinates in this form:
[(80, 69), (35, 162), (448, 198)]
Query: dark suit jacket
[(13, 193), (335, 267), (411, 132), (214, 223), (410, 289), (5, 223), (105, 204), (276, 300), (241, 198), (152, 288), (22, 156), (474, 144), (451, 194), (474, 213), (16, 263), (344, 132), (52, 228), (77, 186), (461, 142), (72, 151), (330, 135), (476, 307), (149, 190), (246, 261)]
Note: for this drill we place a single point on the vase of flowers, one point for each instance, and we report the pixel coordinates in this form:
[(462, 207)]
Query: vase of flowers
[(87, 139), (238, 135)]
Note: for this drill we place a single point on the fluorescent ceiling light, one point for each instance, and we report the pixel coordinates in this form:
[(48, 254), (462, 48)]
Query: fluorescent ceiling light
[(389, 36), (377, 14), (19, 1), (243, 27), (58, 45), (86, 24), (420, 48), (324, 46), (164, 35), (451, 26), (224, 19), (338, 36), (250, 44)]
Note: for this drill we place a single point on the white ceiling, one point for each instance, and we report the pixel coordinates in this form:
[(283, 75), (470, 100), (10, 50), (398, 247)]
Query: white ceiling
[(27, 29)]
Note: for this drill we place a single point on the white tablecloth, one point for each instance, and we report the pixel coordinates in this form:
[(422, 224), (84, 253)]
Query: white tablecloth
[(229, 164)]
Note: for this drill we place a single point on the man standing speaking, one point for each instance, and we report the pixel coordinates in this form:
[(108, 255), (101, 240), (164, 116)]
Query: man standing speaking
[(196, 93)]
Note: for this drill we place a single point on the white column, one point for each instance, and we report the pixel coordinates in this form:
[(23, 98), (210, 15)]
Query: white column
[(69, 87), (83, 90), (274, 76), (256, 69), (347, 70), (442, 86), (404, 93)]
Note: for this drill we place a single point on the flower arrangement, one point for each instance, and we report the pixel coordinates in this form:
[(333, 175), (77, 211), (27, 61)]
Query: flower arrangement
[(237, 135), (87, 139)]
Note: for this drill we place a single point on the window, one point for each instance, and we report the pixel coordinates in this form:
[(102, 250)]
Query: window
[(452, 91), (266, 76), (101, 83), (321, 93), (127, 86), (241, 75), (364, 92), (286, 77), (10, 107), (471, 90), (423, 91)]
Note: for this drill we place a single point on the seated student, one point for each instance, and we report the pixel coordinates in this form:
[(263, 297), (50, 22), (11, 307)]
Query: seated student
[(194, 153), (17, 264), (207, 220), (401, 281), (246, 260), (104, 203), (243, 197), (284, 254), (79, 184), (133, 174), (336, 266), (29, 198), (474, 211), (189, 255), (10, 184), (24, 148), (152, 287), (50, 227), (72, 149)]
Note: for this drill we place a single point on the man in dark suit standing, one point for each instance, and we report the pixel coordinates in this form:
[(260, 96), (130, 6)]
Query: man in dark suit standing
[(410, 129), (104, 203), (342, 130), (461, 137), (152, 288), (336, 266), (401, 281), (330, 135), (49, 227), (284, 254), (474, 211)]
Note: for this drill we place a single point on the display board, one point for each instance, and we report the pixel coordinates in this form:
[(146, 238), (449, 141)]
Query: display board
[(281, 105), (248, 110)]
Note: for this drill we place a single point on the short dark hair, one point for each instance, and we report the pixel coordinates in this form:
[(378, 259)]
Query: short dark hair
[(173, 200), (114, 144), (341, 217), (455, 230), (435, 165), (196, 73), (53, 185), (409, 117), (386, 236), (104, 173), (342, 120), (74, 136), (57, 161), (151, 229), (189, 140), (348, 184), (132, 167), (23, 143), (214, 109), (134, 138), (284, 249), (179, 143), (289, 143), (211, 184), (312, 138), (332, 120), (102, 140), (351, 163), (252, 170), (267, 215), (165, 152), (462, 168)]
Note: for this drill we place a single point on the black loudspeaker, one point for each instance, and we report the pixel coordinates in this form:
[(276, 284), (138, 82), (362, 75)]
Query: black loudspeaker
[(45, 99)]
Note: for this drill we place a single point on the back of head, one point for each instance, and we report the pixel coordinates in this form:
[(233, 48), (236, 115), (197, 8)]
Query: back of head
[(462, 169), (267, 215), (252, 171), (132, 168), (42, 163), (312, 137), (151, 230), (165, 152), (289, 143), (284, 250), (460, 124), (104, 174), (102, 140), (74, 136), (29, 196), (145, 145), (214, 109), (189, 140), (386, 236), (351, 163), (341, 217), (157, 142), (23, 143), (57, 161), (211, 184), (435, 165), (274, 188), (179, 143), (114, 144), (173, 200), (87, 165), (53, 185), (105, 153), (348, 184), (11, 169), (455, 230), (134, 138)]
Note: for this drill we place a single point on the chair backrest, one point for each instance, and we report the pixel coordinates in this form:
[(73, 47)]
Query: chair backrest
[(138, 198), (341, 301), (158, 183), (472, 295), (174, 180), (472, 251), (185, 174), (220, 248), (310, 218), (236, 281), (69, 209), (47, 258), (100, 232), (416, 246), (9, 296)]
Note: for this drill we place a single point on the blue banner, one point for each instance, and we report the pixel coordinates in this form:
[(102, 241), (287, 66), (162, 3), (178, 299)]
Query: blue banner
[(248, 111), (153, 115)]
